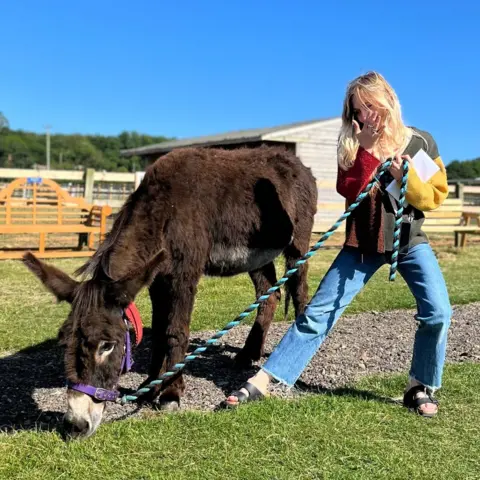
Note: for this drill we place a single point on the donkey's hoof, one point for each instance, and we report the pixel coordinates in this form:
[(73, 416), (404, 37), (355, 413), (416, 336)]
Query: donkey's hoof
[(169, 406)]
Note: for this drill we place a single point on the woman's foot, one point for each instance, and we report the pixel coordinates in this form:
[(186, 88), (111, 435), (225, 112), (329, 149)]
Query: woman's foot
[(255, 388), (420, 400)]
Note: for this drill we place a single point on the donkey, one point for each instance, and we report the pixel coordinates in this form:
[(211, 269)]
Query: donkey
[(197, 212)]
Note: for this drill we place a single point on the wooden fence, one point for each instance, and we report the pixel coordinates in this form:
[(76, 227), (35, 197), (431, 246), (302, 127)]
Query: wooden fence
[(470, 193), (99, 187), (113, 188)]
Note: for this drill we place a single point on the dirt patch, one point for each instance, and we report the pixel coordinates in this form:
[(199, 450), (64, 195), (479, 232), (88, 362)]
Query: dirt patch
[(33, 386)]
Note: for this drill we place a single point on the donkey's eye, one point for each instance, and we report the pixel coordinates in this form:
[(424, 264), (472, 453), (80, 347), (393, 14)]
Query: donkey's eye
[(106, 347)]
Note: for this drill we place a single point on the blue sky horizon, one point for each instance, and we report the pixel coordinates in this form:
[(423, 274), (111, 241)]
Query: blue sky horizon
[(199, 68)]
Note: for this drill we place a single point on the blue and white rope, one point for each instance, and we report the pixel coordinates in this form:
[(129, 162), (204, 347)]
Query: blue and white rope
[(398, 223), (214, 339)]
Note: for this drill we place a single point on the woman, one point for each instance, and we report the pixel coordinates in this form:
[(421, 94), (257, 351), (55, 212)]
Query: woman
[(372, 131)]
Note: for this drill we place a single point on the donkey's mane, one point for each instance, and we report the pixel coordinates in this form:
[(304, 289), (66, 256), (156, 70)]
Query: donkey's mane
[(97, 265), (90, 292)]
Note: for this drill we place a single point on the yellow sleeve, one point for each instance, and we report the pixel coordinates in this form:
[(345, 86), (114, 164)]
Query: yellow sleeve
[(429, 195)]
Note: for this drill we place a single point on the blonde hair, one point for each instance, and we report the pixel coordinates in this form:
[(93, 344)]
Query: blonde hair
[(372, 88)]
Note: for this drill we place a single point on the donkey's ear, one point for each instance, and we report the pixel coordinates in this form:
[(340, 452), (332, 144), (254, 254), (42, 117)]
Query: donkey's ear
[(126, 289), (58, 282)]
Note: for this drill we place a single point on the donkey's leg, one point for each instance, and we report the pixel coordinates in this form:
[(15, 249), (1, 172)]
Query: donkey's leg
[(297, 284), (172, 305), (253, 350)]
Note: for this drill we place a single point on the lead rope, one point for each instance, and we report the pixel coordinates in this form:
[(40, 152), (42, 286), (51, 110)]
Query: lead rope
[(214, 339), (398, 222)]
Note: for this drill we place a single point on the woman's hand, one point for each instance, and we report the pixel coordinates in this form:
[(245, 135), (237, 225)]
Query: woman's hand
[(396, 169), (368, 135)]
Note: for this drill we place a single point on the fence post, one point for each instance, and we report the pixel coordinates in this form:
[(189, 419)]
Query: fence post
[(459, 190), (89, 180)]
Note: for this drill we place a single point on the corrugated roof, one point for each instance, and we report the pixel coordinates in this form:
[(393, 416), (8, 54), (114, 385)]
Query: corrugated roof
[(238, 136)]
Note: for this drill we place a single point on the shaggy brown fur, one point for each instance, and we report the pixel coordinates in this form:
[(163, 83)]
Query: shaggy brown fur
[(197, 212)]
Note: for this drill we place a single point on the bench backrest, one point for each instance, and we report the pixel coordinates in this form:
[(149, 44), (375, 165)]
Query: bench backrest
[(33, 201), (449, 213)]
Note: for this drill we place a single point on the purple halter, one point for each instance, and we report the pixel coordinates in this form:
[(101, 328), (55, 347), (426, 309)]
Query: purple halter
[(103, 394)]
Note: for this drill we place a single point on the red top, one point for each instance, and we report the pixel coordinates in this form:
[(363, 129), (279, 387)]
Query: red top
[(351, 182)]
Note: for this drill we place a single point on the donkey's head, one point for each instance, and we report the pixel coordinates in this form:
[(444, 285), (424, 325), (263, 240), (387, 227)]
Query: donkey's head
[(95, 336)]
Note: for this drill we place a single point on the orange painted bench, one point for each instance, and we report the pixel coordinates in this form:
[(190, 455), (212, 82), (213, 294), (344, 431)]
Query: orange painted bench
[(40, 206)]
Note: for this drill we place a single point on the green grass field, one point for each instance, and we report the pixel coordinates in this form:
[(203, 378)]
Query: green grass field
[(344, 435), (322, 436), (38, 317)]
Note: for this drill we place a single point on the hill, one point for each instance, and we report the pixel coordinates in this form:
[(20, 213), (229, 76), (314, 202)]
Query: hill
[(21, 149)]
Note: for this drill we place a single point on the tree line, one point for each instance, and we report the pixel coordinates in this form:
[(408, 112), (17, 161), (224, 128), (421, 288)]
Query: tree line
[(20, 149), (466, 169)]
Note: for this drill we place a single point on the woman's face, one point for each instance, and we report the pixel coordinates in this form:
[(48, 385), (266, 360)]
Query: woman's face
[(361, 110)]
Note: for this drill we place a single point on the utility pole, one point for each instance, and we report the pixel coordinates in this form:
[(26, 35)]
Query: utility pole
[(47, 139)]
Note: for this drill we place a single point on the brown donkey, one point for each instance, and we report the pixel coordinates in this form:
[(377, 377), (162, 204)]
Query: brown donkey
[(197, 212)]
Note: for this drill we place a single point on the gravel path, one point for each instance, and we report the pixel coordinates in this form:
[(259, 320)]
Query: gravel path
[(33, 393)]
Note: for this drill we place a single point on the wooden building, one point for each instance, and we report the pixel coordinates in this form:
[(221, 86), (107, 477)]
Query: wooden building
[(314, 141)]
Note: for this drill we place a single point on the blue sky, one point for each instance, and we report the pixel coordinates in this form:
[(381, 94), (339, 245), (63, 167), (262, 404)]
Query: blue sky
[(187, 68)]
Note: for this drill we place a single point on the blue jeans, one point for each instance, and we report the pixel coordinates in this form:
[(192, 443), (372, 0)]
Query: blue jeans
[(345, 278)]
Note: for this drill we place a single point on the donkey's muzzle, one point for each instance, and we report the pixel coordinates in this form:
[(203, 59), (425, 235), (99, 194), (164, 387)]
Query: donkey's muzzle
[(77, 429)]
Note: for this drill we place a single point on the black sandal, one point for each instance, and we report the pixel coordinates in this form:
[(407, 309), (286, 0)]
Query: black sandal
[(413, 403), (253, 394)]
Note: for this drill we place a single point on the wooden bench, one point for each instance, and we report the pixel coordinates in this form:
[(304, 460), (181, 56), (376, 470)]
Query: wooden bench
[(40, 206), (451, 217)]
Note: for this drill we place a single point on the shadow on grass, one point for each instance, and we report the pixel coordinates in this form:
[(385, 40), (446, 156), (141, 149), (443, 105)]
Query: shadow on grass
[(219, 368), (21, 373), (351, 391), (38, 371)]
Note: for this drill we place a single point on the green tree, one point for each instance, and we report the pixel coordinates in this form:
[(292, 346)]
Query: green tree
[(466, 169), (25, 149), (3, 122)]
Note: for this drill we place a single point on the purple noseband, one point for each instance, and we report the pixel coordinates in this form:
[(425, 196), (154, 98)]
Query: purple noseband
[(102, 394), (97, 393)]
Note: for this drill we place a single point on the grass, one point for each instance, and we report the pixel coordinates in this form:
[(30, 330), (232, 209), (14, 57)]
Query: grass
[(349, 435), (345, 434), (37, 317)]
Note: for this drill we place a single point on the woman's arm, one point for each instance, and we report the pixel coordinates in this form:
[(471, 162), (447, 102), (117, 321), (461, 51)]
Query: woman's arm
[(429, 195), (351, 182)]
